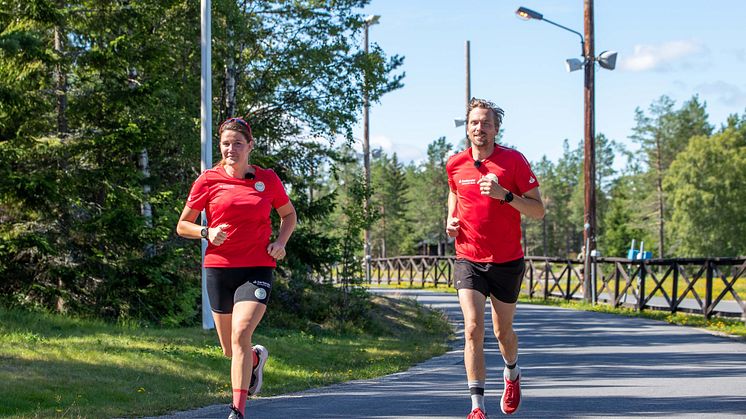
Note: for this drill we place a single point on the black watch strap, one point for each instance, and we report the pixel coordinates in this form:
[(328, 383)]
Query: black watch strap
[(508, 198)]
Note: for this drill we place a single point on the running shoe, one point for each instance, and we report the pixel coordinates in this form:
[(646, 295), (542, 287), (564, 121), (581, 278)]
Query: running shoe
[(511, 399), (256, 373), (235, 414), (477, 414)]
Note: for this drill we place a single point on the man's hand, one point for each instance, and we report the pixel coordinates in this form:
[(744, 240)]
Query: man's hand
[(216, 235), (488, 185), (452, 227)]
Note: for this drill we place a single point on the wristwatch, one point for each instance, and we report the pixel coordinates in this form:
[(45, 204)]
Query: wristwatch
[(203, 232), (508, 198)]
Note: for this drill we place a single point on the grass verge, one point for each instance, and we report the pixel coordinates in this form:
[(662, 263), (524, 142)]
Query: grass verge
[(53, 366)]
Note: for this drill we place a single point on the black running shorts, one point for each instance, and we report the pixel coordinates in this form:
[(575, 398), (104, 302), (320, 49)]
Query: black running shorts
[(227, 286), (503, 280)]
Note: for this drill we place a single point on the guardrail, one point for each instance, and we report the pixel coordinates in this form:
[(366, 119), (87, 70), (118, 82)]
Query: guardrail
[(708, 286)]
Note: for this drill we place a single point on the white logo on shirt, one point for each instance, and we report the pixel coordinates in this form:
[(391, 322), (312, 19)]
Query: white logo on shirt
[(259, 186), (531, 180), (467, 181)]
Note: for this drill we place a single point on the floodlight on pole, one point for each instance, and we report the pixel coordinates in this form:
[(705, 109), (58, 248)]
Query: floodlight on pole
[(459, 122), (573, 64), (607, 60)]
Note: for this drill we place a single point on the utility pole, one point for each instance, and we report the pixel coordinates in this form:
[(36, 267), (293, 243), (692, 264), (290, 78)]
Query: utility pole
[(370, 20), (589, 152), (468, 92)]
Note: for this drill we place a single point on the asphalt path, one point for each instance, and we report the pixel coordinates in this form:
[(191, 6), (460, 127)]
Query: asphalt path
[(575, 364)]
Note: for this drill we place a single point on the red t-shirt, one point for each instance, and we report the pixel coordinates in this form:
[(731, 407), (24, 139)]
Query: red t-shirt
[(489, 231), (243, 204)]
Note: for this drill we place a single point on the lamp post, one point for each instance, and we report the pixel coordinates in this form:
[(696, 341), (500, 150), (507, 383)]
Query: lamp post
[(607, 60), (369, 21), (205, 134)]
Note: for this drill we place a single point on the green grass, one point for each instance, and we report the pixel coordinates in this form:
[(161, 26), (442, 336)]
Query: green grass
[(53, 366)]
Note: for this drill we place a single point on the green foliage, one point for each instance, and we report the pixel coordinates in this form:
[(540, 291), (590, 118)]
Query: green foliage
[(560, 233), (705, 183), (90, 88), (390, 189), (621, 224), (662, 135), (428, 199)]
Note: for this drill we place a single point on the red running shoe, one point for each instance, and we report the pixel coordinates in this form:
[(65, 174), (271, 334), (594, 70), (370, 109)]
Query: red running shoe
[(511, 399), (477, 414)]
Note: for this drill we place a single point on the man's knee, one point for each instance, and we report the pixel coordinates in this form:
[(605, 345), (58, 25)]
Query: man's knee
[(505, 334), (473, 331)]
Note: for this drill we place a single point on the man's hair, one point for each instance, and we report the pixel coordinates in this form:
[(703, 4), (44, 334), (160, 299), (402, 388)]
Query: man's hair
[(497, 112)]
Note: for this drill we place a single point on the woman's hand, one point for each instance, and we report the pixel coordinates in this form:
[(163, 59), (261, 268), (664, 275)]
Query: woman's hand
[(276, 250)]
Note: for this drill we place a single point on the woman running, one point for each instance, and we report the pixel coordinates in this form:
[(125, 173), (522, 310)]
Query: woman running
[(240, 259)]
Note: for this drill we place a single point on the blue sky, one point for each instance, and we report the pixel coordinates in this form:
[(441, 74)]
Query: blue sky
[(666, 47)]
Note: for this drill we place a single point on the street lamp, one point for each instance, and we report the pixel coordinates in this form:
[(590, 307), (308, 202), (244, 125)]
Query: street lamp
[(607, 60), (369, 21)]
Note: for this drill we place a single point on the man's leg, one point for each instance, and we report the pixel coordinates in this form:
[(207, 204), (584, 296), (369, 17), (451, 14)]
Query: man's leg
[(502, 321), (472, 306)]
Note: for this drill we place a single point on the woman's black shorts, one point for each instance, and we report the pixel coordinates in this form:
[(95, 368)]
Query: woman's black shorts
[(227, 286), (503, 280)]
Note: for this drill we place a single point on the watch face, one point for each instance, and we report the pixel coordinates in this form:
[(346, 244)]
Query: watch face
[(203, 233)]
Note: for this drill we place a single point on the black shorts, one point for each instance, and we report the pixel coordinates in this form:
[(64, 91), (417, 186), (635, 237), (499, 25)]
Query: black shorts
[(503, 280), (227, 286)]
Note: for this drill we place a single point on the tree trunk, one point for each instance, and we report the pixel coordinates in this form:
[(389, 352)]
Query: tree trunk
[(659, 190), (230, 79), (60, 82)]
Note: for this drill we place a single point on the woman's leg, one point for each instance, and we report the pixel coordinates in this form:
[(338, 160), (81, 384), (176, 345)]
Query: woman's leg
[(246, 317), (223, 325)]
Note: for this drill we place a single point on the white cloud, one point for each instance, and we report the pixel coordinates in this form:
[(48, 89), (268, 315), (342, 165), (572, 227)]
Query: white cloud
[(663, 57), (381, 141), (726, 93)]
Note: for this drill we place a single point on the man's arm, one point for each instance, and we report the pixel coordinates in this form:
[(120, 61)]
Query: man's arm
[(530, 204), (452, 222)]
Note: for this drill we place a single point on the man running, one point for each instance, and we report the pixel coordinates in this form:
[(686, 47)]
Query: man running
[(490, 187)]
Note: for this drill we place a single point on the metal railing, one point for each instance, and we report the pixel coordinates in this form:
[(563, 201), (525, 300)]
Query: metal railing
[(708, 286)]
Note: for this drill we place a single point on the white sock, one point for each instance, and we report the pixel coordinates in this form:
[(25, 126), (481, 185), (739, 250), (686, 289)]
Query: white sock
[(477, 400), (512, 374), (509, 373)]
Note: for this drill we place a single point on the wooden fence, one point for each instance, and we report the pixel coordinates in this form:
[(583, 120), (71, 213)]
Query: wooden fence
[(709, 286)]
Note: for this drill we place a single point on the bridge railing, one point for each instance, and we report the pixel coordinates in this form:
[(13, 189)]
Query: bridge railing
[(707, 286)]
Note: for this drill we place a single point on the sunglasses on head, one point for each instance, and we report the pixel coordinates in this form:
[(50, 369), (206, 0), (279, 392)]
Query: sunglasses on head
[(239, 120)]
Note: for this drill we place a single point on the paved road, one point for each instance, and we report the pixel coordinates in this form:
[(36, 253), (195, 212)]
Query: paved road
[(575, 365)]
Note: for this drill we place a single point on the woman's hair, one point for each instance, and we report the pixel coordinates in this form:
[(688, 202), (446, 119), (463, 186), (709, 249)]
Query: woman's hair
[(235, 124), (497, 112)]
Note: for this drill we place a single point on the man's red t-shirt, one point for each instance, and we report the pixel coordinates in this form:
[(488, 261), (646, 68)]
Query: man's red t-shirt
[(489, 231), (243, 204)]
